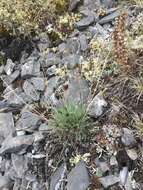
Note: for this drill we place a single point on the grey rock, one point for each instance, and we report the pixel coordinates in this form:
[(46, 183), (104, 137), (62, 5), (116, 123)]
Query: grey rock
[(30, 91), (78, 178), (129, 183), (38, 83), (20, 133), (31, 67), (9, 67), (5, 107), (11, 173), (108, 3), (20, 164), (123, 175), (132, 153), (86, 12), (113, 161), (102, 31), (16, 144), (62, 47), (28, 121), (38, 136), (54, 101), (38, 186), (16, 96), (50, 60), (17, 184), (44, 127), (83, 42), (24, 184), (108, 27), (51, 85), (29, 176), (128, 138), (71, 61), (1, 69), (111, 10), (73, 4), (43, 42), (92, 4), (11, 78), (38, 156), (109, 17), (51, 71), (108, 181), (93, 30), (5, 165), (6, 125), (104, 166), (5, 183), (57, 177), (96, 106), (85, 22), (78, 90), (72, 46), (24, 57)]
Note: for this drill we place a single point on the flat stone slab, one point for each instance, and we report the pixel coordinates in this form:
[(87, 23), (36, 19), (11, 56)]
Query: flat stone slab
[(78, 178)]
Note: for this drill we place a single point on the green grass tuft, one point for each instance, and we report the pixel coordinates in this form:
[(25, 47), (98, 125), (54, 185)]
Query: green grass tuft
[(71, 121)]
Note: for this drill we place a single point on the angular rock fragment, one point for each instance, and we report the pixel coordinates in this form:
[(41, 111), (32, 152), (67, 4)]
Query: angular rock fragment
[(20, 164), (28, 121), (109, 17), (71, 61), (38, 186), (102, 31), (85, 22), (50, 60), (51, 85), (73, 4), (30, 91), (123, 175), (78, 90), (5, 183), (16, 96), (57, 177), (128, 138), (43, 42), (51, 71), (30, 68), (16, 144), (6, 125), (108, 3), (1, 69), (132, 153), (97, 106), (9, 67), (44, 127), (108, 181), (83, 42), (11, 78), (71, 47), (38, 83), (78, 178)]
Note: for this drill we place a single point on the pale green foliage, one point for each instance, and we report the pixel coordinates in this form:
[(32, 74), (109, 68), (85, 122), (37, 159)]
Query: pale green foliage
[(138, 2), (70, 120), (137, 27), (24, 16), (135, 34), (2, 60)]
